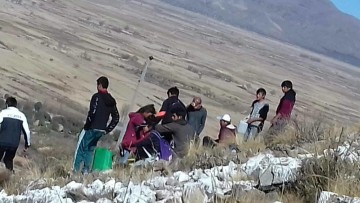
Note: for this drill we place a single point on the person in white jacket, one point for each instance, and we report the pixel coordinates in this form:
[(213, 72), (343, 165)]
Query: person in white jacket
[(13, 123)]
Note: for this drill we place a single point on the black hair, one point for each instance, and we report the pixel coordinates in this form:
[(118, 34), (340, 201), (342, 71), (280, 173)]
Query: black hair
[(11, 102), (150, 108), (262, 91), (173, 91), (287, 83), (178, 110), (103, 81)]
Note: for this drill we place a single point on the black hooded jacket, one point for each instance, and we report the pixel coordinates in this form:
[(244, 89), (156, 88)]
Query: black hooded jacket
[(102, 105), (168, 105)]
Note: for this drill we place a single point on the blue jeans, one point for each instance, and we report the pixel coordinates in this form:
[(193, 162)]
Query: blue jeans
[(251, 132), (124, 159), (85, 150)]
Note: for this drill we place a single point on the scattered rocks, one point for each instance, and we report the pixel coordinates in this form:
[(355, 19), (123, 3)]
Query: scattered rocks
[(272, 170), (348, 152), (330, 197)]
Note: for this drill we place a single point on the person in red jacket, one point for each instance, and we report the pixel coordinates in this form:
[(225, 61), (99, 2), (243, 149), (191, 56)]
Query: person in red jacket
[(286, 105), (134, 130)]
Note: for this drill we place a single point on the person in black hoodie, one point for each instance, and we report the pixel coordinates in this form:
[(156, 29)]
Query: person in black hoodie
[(169, 103), (102, 105), (286, 105)]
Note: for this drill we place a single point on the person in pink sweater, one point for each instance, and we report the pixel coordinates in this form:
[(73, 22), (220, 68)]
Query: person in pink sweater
[(134, 130)]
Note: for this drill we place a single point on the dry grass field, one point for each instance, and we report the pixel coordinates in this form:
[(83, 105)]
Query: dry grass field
[(53, 51)]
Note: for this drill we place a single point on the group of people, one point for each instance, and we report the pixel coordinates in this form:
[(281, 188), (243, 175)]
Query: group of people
[(165, 134)]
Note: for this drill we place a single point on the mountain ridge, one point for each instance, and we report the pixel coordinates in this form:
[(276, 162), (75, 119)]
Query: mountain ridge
[(315, 25)]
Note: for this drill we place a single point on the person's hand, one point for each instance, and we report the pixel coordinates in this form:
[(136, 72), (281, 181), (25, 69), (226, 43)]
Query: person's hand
[(273, 121), (249, 121)]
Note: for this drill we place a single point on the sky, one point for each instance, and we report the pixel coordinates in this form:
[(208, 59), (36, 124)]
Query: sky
[(351, 7)]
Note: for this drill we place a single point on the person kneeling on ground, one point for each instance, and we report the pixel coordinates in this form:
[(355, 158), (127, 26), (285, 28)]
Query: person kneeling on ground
[(134, 131), (258, 115), (227, 133), (152, 145), (182, 133), (13, 122)]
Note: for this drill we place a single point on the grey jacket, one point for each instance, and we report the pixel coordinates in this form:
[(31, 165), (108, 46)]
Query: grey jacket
[(196, 118), (182, 134)]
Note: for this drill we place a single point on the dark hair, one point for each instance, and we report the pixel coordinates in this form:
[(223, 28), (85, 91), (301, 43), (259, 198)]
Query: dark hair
[(261, 90), (11, 102), (150, 108), (173, 91), (103, 81), (178, 110), (287, 83)]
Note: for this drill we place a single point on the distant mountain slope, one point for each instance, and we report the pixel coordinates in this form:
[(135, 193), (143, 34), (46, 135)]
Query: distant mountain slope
[(313, 24)]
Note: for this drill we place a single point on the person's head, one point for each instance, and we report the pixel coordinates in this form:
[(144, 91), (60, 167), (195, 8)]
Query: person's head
[(11, 102), (178, 113), (286, 86), (102, 83), (174, 91), (147, 111), (196, 103), (149, 126), (225, 120), (260, 94)]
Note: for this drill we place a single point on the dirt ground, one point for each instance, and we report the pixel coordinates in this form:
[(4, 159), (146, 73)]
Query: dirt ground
[(53, 51)]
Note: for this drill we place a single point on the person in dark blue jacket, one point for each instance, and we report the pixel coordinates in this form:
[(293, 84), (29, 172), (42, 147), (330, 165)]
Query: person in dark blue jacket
[(13, 123), (102, 105), (172, 101)]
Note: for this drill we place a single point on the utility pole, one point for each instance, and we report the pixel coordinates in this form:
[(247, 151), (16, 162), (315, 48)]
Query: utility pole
[(132, 102)]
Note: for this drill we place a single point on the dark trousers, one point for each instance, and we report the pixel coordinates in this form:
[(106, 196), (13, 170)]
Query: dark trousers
[(8, 155)]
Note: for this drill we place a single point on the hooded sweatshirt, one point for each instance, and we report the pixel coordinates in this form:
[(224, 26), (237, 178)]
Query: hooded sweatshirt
[(168, 104), (102, 105), (286, 104), (136, 120), (182, 134)]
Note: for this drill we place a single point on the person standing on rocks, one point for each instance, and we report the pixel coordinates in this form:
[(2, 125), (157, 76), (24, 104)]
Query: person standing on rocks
[(102, 105), (285, 107), (13, 123), (196, 116), (258, 115)]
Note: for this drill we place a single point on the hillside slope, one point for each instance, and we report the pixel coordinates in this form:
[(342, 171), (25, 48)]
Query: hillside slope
[(313, 24), (54, 51)]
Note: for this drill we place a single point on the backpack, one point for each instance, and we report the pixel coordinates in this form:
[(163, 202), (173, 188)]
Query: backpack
[(165, 151)]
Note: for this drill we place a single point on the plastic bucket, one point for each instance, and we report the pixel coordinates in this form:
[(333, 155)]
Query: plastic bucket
[(242, 127), (102, 159)]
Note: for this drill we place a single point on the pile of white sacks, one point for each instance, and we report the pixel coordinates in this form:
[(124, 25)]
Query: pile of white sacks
[(196, 186)]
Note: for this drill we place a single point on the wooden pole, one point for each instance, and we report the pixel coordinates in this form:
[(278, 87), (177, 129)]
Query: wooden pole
[(132, 103)]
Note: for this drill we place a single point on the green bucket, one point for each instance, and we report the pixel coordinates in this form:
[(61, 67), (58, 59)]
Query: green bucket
[(102, 159)]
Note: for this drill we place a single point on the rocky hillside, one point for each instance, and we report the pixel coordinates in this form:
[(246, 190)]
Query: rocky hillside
[(315, 25)]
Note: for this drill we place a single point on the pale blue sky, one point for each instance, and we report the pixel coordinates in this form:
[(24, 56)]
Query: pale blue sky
[(351, 7)]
